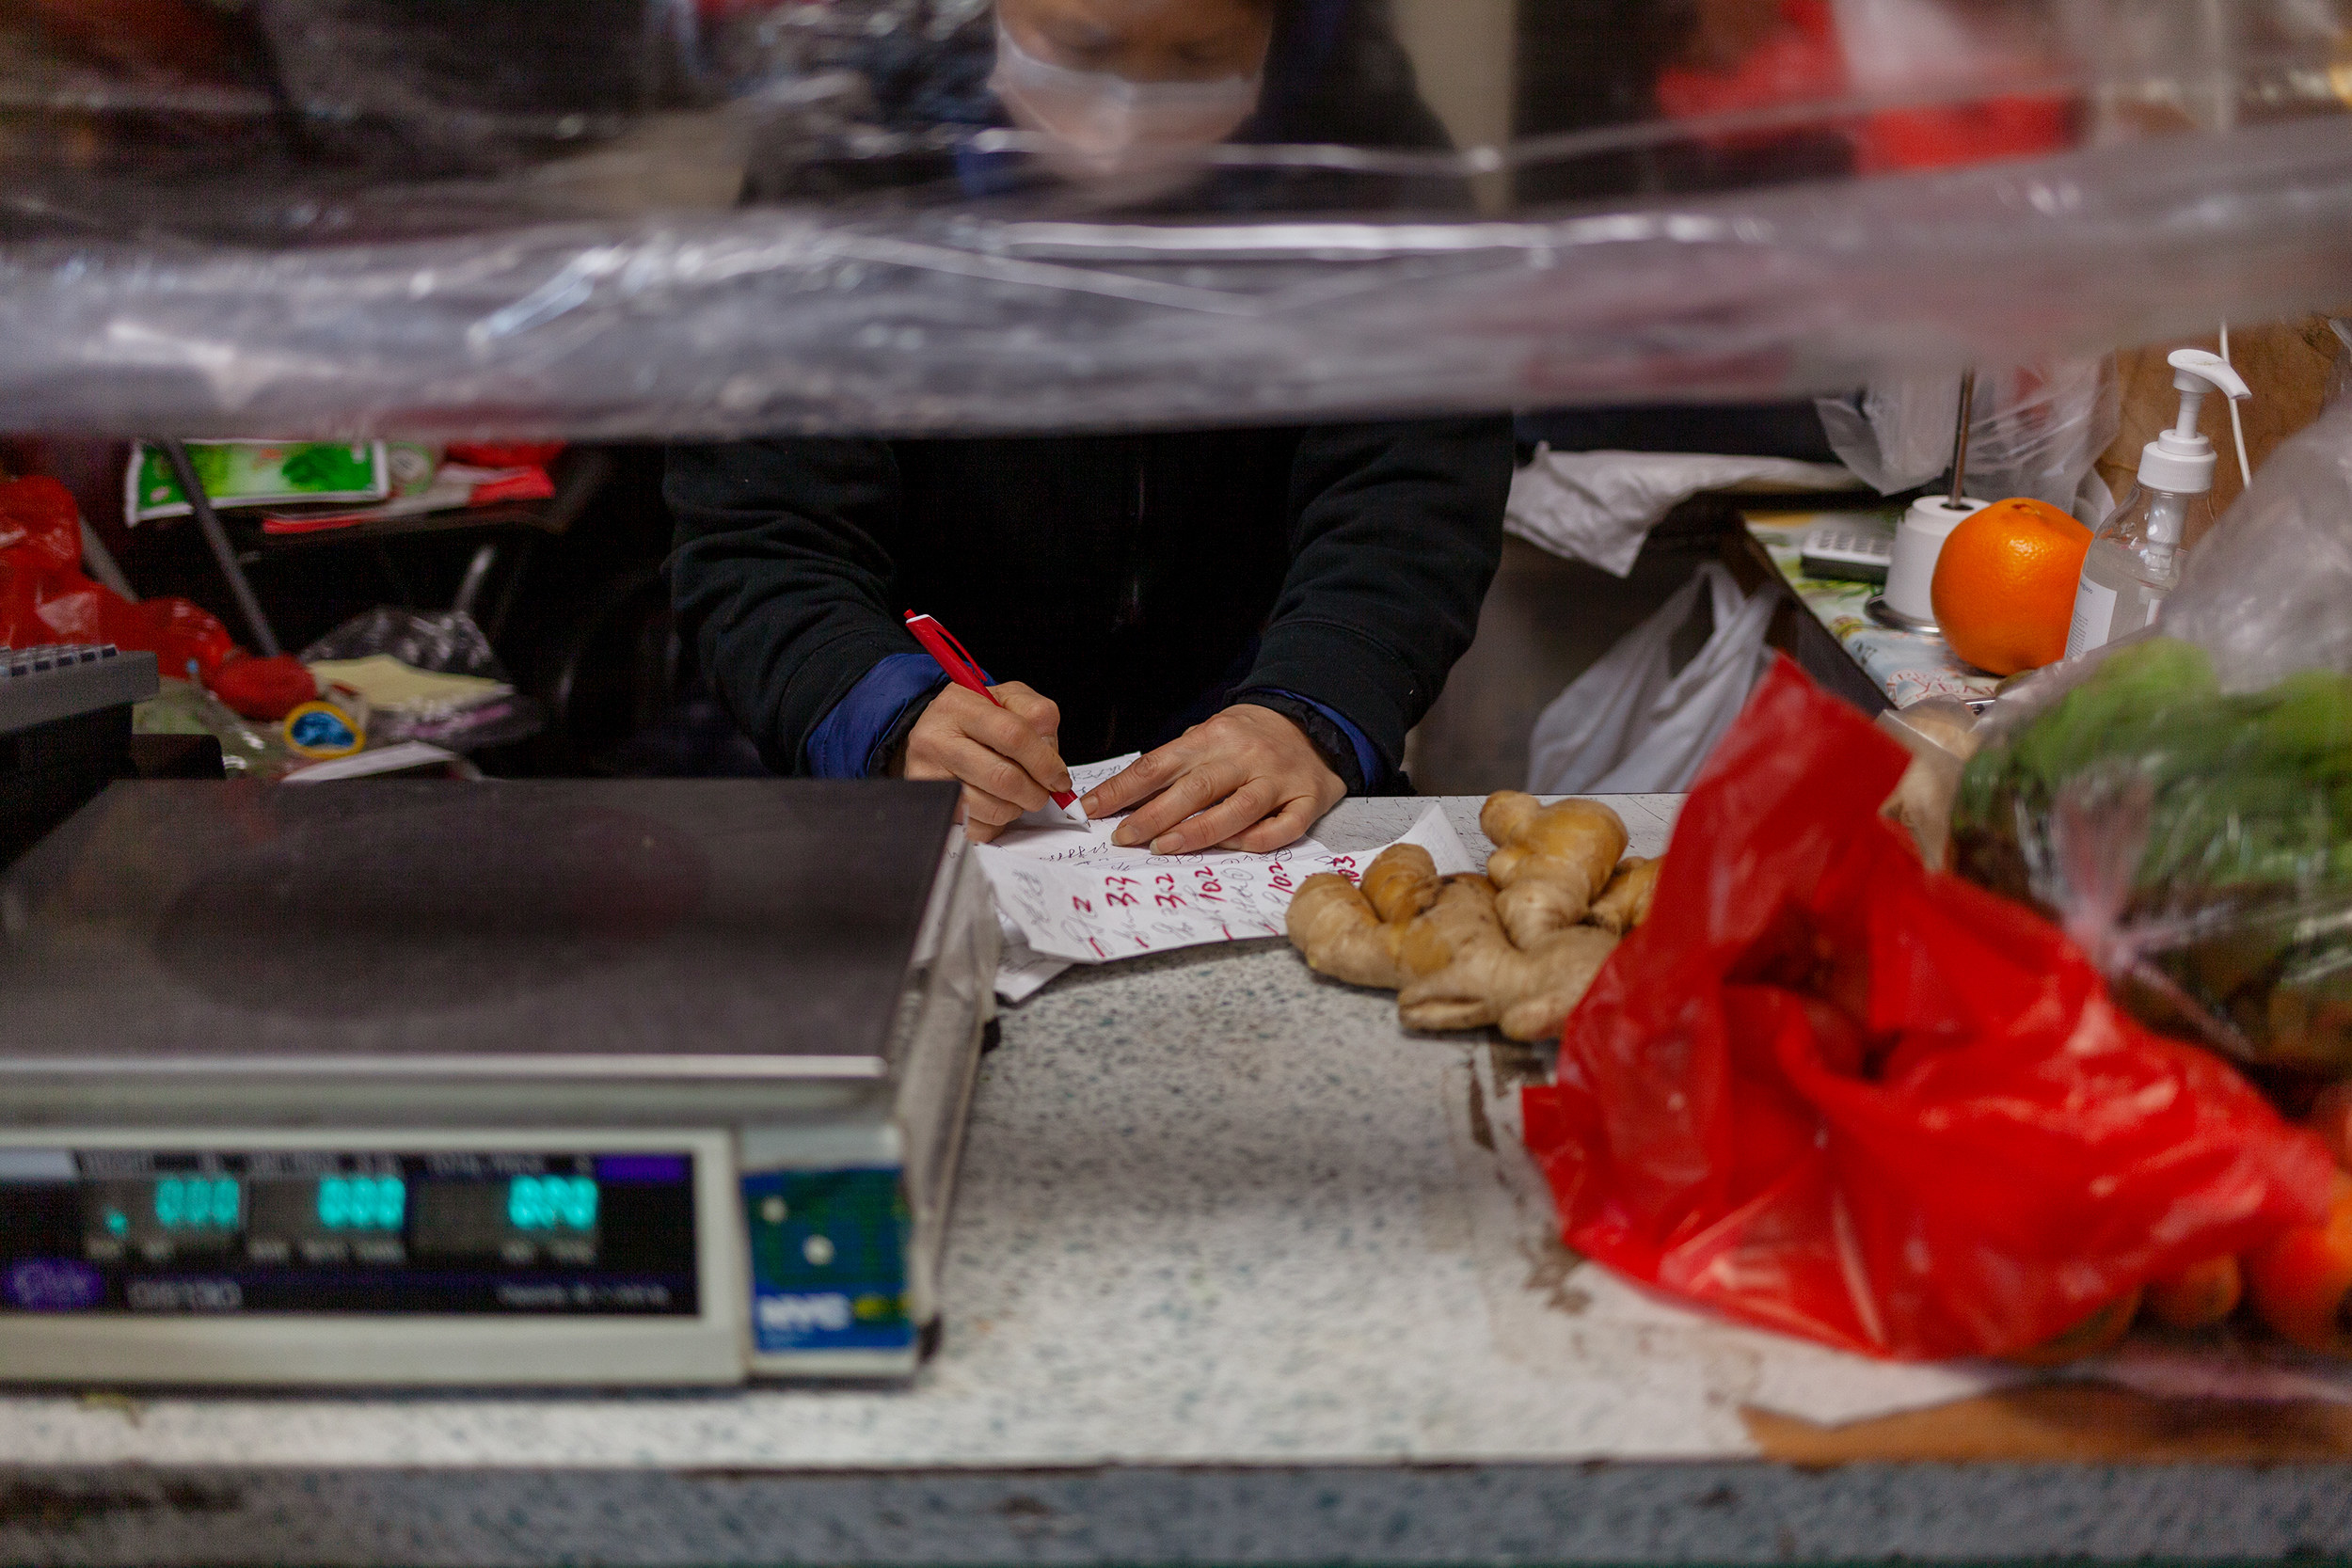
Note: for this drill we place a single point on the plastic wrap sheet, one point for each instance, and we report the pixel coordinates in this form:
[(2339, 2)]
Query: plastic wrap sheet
[(629, 217)]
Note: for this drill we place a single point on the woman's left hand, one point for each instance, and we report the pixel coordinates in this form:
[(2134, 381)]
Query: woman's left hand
[(1248, 778)]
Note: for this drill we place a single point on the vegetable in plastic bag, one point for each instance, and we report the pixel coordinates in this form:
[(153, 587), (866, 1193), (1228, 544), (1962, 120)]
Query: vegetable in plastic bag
[(2183, 803), (1829, 1091)]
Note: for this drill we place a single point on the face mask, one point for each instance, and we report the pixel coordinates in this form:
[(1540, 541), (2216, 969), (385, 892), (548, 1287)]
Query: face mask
[(1098, 119)]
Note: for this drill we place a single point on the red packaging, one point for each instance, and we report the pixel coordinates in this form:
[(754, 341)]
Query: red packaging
[(505, 455), (1800, 60), (1828, 1091), (45, 598)]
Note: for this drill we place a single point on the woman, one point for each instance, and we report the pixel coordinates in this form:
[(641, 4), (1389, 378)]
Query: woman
[(1267, 612)]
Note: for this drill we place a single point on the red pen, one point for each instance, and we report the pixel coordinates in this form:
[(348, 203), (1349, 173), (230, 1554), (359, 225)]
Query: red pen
[(965, 671)]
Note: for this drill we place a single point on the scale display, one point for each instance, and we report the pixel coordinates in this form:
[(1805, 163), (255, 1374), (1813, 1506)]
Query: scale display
[(576, 1234)]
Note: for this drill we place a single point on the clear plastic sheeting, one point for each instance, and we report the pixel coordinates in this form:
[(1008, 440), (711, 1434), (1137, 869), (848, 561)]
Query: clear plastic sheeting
[(633, 217)]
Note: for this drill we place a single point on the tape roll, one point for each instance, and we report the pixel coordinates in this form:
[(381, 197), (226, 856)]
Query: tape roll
[(323, 730)]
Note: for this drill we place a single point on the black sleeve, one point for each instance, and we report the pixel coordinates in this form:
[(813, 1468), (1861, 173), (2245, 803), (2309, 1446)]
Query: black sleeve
[(1398, 534), (782, 577)]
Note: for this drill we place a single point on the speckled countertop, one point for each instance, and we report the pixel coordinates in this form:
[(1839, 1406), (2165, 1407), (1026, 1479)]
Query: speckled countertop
[(1240, 1272)]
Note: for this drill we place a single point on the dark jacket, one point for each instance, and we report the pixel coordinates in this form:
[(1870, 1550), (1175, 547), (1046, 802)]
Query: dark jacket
[(1142, 582)]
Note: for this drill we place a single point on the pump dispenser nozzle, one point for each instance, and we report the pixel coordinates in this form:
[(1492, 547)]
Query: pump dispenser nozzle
[(2134, 561), (2181, 459)]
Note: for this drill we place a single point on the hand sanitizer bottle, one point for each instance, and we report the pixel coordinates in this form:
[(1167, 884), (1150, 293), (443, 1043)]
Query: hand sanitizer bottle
[(2135, 560)]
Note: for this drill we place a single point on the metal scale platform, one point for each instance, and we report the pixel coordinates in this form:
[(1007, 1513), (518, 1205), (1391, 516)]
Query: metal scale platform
[(406, 1084)]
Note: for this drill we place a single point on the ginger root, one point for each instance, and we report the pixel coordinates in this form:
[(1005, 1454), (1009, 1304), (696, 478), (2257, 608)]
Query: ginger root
[(1941, 736), (1551, 862), (1626, 905), (1402, 882), (1490, 980), (1467, 954), (1354, 934)]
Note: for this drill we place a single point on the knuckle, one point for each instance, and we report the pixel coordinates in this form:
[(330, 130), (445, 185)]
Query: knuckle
[(1002, 780), (984, 807)]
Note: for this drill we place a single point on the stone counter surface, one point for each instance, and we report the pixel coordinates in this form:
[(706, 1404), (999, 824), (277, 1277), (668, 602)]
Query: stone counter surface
[(1240, 1272)]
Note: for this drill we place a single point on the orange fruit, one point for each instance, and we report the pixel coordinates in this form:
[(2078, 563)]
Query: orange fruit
[(2302, 1279), (2004, 590)]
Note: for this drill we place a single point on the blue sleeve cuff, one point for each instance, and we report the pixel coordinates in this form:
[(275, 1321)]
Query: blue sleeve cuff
[(842, 746), (1368, 763)]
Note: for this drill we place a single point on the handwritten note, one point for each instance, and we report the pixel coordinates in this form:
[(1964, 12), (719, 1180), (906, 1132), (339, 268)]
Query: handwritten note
[(1072, 897)]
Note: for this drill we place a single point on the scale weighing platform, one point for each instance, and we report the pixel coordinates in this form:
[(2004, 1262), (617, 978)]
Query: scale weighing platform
[(525, 1083)]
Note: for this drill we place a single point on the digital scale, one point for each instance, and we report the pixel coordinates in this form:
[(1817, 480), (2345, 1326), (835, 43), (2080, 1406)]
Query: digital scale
[(520, 1084)]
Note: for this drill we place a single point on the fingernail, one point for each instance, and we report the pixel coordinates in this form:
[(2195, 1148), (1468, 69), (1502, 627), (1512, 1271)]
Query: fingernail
[(1169, 844)]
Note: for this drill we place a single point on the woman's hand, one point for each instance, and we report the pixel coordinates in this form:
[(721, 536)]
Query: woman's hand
[(1248, 778), (1006, 758)]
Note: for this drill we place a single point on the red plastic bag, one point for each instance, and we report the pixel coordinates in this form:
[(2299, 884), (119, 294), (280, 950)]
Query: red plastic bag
[(1830, 1092), (45, 598)]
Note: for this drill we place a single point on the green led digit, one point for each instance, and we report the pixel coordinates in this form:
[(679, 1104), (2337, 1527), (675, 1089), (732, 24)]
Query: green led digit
[(551, 1202), (363, 1202), (196, 1203), (392, 1201)]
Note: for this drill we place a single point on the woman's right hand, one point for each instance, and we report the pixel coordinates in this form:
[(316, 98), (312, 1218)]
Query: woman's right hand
[(1006, 758)]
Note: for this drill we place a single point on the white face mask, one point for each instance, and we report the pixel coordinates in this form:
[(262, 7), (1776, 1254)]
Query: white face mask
[(1099, 121)]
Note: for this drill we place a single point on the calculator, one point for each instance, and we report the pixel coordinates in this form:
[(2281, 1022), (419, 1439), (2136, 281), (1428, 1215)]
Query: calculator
[(1859, 551), (45, 685)]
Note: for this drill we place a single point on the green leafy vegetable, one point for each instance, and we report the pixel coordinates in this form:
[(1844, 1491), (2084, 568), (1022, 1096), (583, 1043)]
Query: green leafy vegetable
[(2224, 823)]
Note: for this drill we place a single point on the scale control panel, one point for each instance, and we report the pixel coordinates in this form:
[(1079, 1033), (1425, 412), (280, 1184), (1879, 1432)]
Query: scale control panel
[(290, 1260), (387, 1233)]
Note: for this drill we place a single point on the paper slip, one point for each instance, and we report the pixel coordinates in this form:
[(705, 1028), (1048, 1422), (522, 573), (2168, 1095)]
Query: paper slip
[(1080, 899), (1022, 972)]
